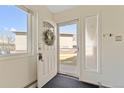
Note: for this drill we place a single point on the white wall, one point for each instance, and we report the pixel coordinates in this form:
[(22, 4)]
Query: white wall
[(113, 51), (112, 57), (17, 71), (20, 70)]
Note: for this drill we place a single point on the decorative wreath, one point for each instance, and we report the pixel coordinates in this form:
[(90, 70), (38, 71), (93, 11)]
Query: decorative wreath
[(49, 37)]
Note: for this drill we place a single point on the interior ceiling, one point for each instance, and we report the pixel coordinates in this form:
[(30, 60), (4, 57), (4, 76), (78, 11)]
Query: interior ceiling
[(60, 8)]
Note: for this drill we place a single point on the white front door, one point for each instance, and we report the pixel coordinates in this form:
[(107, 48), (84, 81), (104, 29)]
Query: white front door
[(47, 65), (91, 50)]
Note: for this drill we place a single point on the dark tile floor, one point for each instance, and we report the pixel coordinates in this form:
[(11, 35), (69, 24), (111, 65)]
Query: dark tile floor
[(64, 81)]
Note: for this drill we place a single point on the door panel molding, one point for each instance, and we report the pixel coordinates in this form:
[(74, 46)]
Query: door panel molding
[(45, 70)]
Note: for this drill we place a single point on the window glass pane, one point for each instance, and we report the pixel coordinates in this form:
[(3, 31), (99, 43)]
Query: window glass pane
[(91, 28), (68, 33), (68, 48), (13, 30)]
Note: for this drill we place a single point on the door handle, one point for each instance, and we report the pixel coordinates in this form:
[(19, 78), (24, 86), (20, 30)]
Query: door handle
[(40, 57), (77, 49)]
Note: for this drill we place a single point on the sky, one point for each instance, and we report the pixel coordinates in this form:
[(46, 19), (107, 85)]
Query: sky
[(12, 19), (72, 28)]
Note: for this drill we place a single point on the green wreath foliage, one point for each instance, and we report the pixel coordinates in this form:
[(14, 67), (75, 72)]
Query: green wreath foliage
[(49, 37)]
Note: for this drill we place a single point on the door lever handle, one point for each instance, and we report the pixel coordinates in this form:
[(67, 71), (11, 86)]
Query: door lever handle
[(40, 57), (77, 49)]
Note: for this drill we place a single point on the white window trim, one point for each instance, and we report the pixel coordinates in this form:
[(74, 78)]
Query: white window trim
[(29, 37)]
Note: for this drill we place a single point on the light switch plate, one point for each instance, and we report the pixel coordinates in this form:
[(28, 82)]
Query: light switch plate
[(118, 38)]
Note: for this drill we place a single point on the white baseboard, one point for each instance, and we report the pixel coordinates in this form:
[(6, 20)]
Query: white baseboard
[(33, 85), (46, 79)]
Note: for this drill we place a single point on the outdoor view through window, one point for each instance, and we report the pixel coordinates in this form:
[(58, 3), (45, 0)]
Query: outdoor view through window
[(68, 43), (13, 30), (68, 48)]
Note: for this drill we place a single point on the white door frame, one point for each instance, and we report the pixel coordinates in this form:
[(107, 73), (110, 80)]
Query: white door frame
[(77, 21)]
